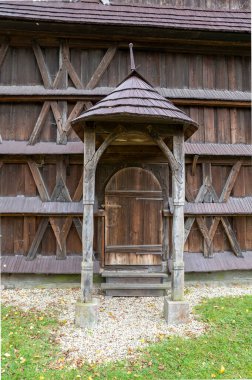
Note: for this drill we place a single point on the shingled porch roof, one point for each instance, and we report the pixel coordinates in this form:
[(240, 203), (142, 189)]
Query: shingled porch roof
[(135, 100)]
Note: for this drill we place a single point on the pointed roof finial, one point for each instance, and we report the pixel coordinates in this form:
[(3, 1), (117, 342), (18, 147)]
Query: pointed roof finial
[(132, 61)]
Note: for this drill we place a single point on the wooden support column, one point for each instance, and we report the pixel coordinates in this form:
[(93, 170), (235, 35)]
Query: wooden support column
[(178, 196), (88, 214)]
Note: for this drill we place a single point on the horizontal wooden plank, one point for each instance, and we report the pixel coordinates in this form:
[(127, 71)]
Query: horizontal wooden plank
[(221, 261), (34, 205), (44, 265), (178, 95), (133, 273), (134, 286), (234, 206), (10, 147), (211, 149), (141, 194), (153, 249), (20, 147)]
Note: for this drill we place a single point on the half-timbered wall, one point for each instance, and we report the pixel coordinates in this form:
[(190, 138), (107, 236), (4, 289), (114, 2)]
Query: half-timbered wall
[(45, 85)]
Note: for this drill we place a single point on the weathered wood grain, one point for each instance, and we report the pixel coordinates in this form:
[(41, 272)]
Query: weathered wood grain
[(3, 50), (39, 123), (37, 239), (42, 65), (110, 53), (230, 181), (231, 236)]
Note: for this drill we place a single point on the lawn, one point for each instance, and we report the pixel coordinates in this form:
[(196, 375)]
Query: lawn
[(224, 352)]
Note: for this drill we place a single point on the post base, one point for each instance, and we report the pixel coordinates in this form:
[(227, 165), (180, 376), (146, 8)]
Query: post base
[(176, 312), (86, 314)]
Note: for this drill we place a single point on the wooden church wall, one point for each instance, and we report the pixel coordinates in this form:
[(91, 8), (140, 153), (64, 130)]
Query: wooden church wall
[(35, 118), (162, 68)]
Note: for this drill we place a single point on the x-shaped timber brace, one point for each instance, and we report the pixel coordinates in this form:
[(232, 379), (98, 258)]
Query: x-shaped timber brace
[(208, 194), (60, 193), (177, 164), (60, 81)]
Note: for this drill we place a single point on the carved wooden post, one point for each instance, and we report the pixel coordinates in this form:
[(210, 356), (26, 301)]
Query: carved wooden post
[(178, 195), (88, 212)]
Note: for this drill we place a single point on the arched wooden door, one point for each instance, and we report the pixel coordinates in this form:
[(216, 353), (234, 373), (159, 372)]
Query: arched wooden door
[(133, 221)]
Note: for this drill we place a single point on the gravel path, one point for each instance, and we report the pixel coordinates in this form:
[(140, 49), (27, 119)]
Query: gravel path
[(125, 324)]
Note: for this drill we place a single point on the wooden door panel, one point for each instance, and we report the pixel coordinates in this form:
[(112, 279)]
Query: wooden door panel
[(133, 204)]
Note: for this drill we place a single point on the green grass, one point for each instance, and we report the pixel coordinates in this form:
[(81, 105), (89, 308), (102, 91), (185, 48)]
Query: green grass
[(29, 353)]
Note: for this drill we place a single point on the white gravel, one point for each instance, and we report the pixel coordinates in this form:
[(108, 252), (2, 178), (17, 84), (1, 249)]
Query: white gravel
[(125, 324)]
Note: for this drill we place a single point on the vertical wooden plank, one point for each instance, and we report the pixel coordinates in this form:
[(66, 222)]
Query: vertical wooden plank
[(249, 233), (7, 235), (209, 123), (195, 71), (221, 73), (248, 183), (238, 73), (224, 126), (233, 125), (170, 78), (246, 73), (197, 114), (248, 129), (208, 71), (242, 127), (18, 236), (231, 73)]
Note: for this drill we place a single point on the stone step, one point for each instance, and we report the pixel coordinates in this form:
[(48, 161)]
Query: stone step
[(122, 273)]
